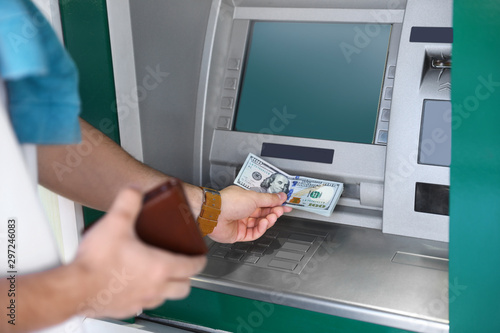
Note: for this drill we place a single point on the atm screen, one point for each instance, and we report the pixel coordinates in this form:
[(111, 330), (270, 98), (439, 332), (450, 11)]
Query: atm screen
[(313, 80)]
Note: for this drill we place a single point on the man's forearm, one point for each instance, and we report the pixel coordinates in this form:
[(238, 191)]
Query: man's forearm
[(45, 299), (93, 172)]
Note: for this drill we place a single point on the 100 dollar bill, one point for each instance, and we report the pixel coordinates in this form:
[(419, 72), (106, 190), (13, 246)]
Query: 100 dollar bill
[(309, 194)]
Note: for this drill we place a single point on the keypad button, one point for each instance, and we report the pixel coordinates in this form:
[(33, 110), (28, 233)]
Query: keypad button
[(241, 247), (289, 255), (302, 238), (295, 247), (251, 259), (219, 253), (234, 256), (265, 241), (257, 249), (271, 233), (283, 264)]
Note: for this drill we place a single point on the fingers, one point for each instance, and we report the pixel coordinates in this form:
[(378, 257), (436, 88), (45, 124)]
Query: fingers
[(256, 227), (170, 279), (177, 289), (270, 199), (173, 290), (265, 217), (126, 206), (278, 210), (181, 266)]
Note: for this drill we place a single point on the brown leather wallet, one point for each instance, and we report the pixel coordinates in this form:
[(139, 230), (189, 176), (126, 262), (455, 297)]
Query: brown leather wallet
[(166, 220)]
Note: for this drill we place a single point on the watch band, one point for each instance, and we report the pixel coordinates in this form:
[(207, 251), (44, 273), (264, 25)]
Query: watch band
[(210, 210)]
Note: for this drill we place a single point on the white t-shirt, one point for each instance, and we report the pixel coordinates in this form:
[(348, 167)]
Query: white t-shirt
[(35, 245)]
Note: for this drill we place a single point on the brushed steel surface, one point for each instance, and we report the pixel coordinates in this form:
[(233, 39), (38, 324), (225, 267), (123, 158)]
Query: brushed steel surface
[(414, 83), (351, 275), (169, 44)]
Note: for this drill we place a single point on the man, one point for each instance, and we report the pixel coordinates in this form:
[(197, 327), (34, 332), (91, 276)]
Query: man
[(111, 260), (111, 245)]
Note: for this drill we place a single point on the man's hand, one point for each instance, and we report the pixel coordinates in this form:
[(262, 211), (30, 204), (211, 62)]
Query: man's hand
[(123, 275), (246, 215)]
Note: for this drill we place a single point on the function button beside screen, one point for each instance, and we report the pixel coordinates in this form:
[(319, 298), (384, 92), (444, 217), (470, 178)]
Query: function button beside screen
[(382, 137), (283, 264), (289, 255), (234, 64), (224, 123), (388, 93), (295, 247), (391, 71), (230, 83), (227, 102), (386, 113), (302, 238)]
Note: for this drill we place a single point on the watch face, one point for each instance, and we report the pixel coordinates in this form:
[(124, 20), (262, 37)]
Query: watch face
[(209, 190)]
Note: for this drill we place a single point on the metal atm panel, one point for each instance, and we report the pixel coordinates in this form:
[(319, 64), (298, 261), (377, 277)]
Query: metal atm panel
[(381, 278), (379, 258)]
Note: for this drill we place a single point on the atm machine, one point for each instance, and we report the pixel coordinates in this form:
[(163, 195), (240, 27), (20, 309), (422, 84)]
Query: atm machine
[(351, 91)]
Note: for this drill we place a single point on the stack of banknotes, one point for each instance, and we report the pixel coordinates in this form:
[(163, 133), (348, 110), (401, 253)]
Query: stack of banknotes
[(309, 194)]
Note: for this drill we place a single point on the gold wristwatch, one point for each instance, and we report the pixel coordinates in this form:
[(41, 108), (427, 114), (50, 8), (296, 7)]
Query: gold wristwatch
[(210, 210)]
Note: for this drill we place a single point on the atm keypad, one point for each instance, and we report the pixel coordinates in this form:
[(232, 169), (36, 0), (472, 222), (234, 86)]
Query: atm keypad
[(282, 250)]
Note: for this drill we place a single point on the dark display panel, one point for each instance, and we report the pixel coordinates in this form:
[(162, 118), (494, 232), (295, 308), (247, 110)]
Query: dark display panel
[(435, 133), (314, 80)]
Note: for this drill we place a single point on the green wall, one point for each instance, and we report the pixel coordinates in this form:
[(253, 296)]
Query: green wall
[(475, 169)]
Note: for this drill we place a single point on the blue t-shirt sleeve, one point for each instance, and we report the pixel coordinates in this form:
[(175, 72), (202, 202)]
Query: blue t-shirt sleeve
[(41, 78)]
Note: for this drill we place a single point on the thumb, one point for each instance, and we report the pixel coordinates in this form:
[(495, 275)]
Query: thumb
[(126, 206), (270, 199)]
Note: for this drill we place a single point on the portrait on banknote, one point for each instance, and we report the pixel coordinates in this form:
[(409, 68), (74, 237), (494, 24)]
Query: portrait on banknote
[(275, 183)]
